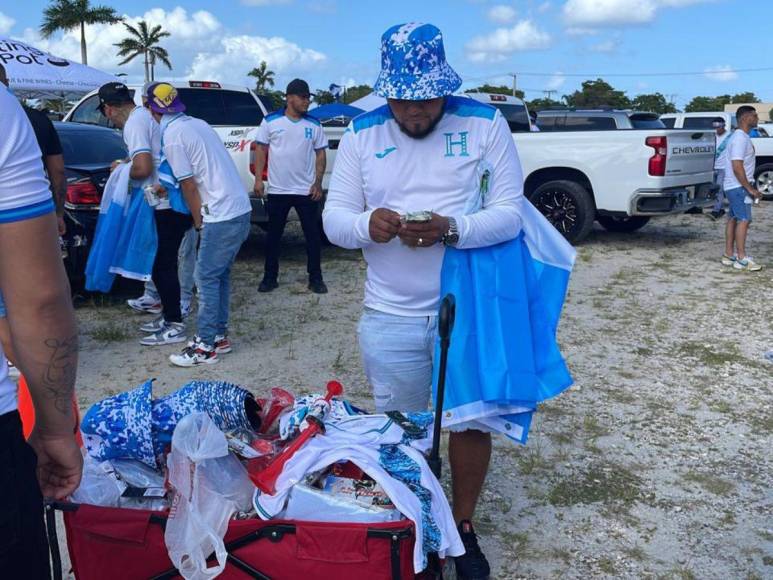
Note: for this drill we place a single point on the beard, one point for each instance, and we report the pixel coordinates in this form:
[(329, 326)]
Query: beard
[(415, 130)]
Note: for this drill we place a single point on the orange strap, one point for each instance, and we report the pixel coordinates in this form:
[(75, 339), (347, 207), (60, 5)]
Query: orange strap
[(27, 412)]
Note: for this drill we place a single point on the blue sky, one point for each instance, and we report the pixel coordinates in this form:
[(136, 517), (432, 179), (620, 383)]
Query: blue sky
[(328, 41)]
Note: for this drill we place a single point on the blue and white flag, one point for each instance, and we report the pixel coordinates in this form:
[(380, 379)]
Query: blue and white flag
[(167, 179), (336, 91), (125, 239), (504, 358)]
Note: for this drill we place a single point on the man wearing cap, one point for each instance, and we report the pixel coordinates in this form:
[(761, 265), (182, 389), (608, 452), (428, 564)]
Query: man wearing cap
[(220, 209), (296, 166), (143, 140), (720, 162), (425, 151)]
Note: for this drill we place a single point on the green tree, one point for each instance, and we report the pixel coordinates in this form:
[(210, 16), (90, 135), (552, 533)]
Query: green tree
[(707, 104), (324, 97), (144, 41), (264, 77), (276, 98), (654, 103), (747, 97), (496, 90), (542, 104), (69, 14), (356, 92), (596, 94)]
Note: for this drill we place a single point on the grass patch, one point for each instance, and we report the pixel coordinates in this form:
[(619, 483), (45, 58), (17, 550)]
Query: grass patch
[(710, 483), (635, 553), (605, 483), (607, 566), (516, 541), (110, 332), (710, 355)]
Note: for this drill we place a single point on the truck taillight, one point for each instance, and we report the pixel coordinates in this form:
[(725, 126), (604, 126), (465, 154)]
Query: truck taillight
[(253, 151), (657, 166), (82, 192)]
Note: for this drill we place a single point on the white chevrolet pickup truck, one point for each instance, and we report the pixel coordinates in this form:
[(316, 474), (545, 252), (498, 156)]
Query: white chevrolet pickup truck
[(589, 171), (763, 146)]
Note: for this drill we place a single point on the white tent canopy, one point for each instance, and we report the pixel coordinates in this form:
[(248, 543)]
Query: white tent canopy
[(369, 102), (35, 73)]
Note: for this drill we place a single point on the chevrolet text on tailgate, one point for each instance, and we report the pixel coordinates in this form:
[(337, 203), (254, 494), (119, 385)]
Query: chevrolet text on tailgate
[(619, 168)]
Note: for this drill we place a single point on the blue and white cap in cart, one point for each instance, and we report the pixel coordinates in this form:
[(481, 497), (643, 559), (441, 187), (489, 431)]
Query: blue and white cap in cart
[(413, 64)]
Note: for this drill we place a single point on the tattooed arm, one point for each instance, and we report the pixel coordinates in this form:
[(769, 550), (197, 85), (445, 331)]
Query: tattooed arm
[(42, 323)]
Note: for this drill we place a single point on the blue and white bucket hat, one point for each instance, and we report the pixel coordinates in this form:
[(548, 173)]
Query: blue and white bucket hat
[(413, 64)]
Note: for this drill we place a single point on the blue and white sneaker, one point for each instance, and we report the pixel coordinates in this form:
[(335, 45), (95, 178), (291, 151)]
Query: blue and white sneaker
[(171, 333), (747, 264), (195, 354), (154, 325), (728, 260), (145, 304)]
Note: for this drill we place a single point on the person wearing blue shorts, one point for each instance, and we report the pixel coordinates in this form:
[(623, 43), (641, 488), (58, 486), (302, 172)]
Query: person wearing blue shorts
[(740, 191)]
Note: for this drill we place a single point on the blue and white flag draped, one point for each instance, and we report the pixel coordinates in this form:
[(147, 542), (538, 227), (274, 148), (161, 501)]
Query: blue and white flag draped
[(504, 358), (125, 239), (167, 179)]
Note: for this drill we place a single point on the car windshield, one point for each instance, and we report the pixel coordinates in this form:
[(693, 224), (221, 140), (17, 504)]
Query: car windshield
[(516, 117), (222, 107), (646, 121), (83, 147)]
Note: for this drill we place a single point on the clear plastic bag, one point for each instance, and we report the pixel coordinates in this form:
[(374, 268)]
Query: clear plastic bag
[(99, 484), (210, 486)]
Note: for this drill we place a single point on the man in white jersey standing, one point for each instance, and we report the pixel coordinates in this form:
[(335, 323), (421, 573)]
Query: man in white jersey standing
[(720, 160), (422, 152), (34, 285), (143, 140), (220, 208), (740, 191), (295, 144)]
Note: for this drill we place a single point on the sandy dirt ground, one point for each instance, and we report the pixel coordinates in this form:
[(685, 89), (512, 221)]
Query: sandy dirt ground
[(655, 464)]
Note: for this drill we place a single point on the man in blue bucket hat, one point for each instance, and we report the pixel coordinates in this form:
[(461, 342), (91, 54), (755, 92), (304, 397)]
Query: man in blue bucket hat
[(407, 179)]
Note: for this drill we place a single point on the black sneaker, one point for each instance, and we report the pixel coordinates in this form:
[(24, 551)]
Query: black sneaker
[(473, 564), (268, 285), (318, 287)]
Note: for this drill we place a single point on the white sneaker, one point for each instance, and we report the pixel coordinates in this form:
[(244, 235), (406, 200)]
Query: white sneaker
[(153, 326), (747, 264), (171, 333), (145, 304), (185, 308), (729, 260), (198, 354)]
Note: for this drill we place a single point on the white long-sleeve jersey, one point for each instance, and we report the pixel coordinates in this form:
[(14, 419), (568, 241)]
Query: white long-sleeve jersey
[(467, 168)]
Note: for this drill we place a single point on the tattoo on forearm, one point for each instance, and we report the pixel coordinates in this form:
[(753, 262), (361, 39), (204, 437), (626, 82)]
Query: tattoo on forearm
[(59, 376)]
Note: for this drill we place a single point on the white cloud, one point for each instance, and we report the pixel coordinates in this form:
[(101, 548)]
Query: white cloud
[(556, 81), (611, 12), (237, 54), (6, 23), (607, 12), (199, 46), (606, 47), (503, 42), (544, 7), (721, 73), (501, 14)]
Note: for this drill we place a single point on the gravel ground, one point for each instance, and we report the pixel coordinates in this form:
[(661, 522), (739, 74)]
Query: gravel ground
[(655, 464)]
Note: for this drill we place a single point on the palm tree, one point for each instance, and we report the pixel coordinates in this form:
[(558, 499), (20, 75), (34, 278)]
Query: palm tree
[(144, 41), (264, 77), (69, 14)]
